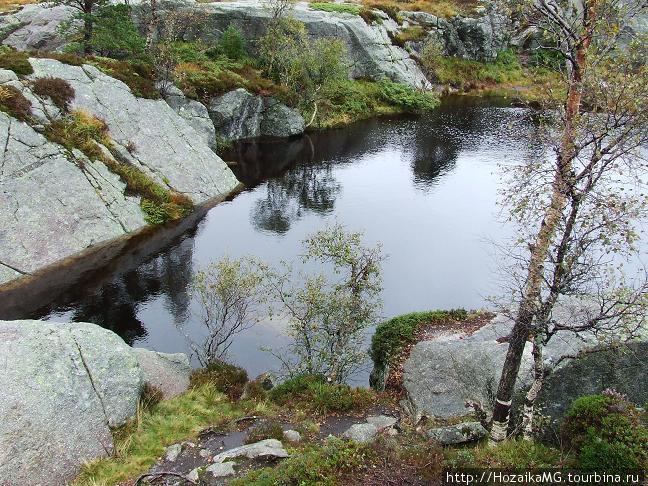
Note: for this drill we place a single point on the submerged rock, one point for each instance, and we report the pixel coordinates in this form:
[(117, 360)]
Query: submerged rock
[(239, 115), (458, 434), (63, 387), (169, 373)]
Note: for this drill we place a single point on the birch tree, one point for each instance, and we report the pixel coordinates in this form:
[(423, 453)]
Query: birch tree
[(578, 209)]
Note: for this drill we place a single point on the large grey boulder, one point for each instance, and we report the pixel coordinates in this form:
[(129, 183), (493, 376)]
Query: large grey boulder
[(480, 37), (194, 112), (166, 147), (239, 114), (624, 369), (441, 375), (36, 27), (55, 203), (169, 373), (63, 387)]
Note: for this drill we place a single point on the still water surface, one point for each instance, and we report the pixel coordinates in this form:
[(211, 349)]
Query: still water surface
[(425, 187)]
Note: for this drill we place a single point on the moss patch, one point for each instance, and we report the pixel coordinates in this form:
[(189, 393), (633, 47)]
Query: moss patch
[(440, 8), (14, 103)]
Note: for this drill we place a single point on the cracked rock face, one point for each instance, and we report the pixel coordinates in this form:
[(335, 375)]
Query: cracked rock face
[(63, 387), (54, 204)]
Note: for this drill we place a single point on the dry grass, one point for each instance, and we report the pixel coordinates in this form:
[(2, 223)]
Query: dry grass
[(11, 5), (440, 8)]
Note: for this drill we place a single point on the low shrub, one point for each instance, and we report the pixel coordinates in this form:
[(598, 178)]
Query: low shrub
[(314, 394), (14, 103), (64, 57), (336, 7), (606, 432), (440, 8), (58, 90), (225, 377), (269, 429), (16, 61), (408, 98), (369, 16)]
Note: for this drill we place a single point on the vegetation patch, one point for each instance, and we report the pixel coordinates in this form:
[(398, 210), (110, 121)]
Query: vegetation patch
[(410, 34), (347, 101), (510, 454), (13, 103), (314, 394), (440, 8), (82, 131), (606, 432), (16, 61), (64, 57), (349, 8), (224, 377), (139, 76), (58, 90), (140, 443)]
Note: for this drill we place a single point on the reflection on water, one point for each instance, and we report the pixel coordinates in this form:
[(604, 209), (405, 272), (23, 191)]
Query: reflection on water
[(424, 187)]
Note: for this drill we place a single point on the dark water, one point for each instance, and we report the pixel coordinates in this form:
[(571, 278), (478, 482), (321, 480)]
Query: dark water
[(426, 187)]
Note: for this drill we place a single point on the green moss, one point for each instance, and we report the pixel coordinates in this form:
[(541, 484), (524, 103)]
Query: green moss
[(225, 377), (393, 335), (82, 131), (14, 103), (140, 443), (16, 61), (336, 7), (58, 90), (313, 394), (407, 98)]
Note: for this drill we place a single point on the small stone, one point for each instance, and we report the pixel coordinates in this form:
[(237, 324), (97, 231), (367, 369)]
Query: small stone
[(172, 452), (193, 475), (292, 435), (204, 453), (458, 434), (361, 432), (266, 448), (382, 422), (392, 431), (222, 469)]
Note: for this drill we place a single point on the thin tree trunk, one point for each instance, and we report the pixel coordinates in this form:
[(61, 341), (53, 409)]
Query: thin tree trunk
[(152, 26), (538, 381), (528, 306), (87, 27)]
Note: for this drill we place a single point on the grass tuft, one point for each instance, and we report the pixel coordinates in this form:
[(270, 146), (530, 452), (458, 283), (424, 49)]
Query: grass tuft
[(225, 377), (58, 90), (336, 7), (14, 103)]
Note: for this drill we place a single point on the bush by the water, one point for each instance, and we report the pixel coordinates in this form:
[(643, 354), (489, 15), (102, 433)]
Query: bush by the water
[(606, 432), (225, 378), (313, 393)]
